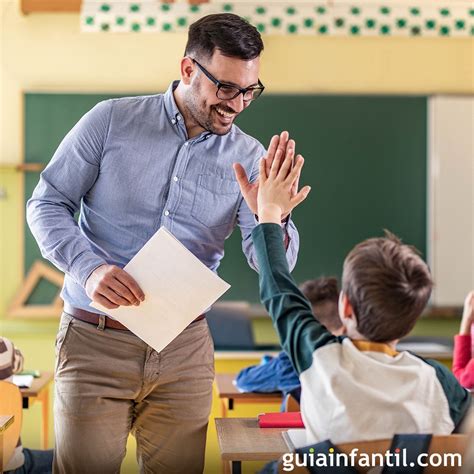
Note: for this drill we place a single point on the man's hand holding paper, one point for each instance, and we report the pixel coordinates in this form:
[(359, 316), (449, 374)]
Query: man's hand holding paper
[(111, 287), (179, 287)]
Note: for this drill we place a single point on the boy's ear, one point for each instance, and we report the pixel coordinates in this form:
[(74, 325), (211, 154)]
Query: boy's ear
[(345, 307)]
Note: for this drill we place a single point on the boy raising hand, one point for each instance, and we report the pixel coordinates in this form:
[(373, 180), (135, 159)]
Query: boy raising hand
[(358, 386)]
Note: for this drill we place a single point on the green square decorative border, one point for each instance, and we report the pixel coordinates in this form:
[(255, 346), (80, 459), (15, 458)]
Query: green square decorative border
[(292, 18)]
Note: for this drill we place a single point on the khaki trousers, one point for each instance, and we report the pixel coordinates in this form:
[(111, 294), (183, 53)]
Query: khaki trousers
[(109, 383)]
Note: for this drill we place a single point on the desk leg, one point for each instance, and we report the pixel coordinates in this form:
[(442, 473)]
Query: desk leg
[(44, 397), (224, 407), (236, 467)]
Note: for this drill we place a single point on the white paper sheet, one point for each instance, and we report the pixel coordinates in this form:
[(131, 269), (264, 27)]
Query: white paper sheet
[(23, 381), (178, 287), (295, 438)]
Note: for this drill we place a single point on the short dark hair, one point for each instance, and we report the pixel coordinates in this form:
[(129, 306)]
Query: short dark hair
[(232, 35), (323, 294), (388, 285)]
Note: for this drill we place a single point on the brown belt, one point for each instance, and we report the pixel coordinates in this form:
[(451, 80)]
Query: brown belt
[(94, 318)]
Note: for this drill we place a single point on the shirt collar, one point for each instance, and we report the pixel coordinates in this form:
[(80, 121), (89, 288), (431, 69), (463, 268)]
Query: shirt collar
[(172, 110), (369, 346)]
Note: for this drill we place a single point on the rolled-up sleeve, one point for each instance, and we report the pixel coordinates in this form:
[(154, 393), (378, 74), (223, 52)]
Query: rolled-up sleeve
[(247, 222), (71, 173)]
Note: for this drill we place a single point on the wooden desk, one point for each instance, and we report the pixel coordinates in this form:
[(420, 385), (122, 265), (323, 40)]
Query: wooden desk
[(39, 391), (241, 439), (5, 422), (229, 395)]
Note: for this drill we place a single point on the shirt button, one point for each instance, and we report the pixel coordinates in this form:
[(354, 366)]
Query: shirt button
[(167, 213), (186, 144), (173, 121), (178, 117), (175, 179)]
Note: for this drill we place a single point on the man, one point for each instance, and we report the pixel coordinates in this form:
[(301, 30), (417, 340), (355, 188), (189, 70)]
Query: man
[(130, 166)]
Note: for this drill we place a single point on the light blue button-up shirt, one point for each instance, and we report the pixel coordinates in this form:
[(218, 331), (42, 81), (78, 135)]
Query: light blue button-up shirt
[(129, 167)]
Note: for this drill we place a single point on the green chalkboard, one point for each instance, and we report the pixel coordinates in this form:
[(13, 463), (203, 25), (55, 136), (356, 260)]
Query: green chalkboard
[(366, 160)]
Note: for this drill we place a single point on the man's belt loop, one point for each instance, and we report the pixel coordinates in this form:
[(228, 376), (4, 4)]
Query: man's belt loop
[(101, 325)]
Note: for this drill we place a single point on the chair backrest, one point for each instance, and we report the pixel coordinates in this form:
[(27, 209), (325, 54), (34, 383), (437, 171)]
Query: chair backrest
[(10, 404), (449, 444), (290, 403), (231, 327)]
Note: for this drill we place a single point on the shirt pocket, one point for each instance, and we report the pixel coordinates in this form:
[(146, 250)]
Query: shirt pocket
[(215, 200)]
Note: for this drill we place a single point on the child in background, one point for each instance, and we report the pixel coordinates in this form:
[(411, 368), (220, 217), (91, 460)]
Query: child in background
[(463, 359), (277, 374), (354, 387), (23, 461)]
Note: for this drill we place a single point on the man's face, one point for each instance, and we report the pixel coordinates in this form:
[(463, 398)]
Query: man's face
[(204, 107)]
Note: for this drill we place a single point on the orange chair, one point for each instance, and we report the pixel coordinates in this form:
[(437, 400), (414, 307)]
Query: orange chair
[(10, 404)]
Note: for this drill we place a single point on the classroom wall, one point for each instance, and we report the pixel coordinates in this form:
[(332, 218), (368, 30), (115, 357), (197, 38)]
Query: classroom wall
[(46, 52), (451, 158)]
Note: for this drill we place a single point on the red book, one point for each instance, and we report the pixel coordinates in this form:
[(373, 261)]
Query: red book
[(291, 419)]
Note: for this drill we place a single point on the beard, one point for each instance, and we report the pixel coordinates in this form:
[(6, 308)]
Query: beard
[(206, 117)]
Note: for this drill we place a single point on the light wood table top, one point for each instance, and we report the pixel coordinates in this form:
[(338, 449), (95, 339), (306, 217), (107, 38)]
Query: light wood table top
[(241, 439), (39, 384), (5, 422)]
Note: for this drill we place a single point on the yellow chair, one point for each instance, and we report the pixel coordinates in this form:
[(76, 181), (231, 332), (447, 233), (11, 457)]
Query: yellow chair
[(456, 443), (10, 404)]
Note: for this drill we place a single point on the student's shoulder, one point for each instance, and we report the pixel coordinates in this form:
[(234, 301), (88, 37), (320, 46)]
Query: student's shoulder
[(5, 344), (444, 375), (7, 350), (459, 398)]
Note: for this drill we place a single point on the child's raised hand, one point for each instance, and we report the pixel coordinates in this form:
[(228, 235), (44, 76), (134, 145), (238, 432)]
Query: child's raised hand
[(276, 194), (278, 144), (468, 314)]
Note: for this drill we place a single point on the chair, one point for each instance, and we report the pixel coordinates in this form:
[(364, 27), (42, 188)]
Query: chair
[(10, 404), (290, 403), (231, 326), (456, 443)]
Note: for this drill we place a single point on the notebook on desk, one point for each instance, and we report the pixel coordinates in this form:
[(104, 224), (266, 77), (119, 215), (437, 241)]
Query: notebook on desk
[(295, 438), (23, 381)]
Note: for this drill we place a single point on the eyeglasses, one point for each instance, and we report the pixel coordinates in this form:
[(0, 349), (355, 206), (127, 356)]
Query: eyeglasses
[(228, 91)]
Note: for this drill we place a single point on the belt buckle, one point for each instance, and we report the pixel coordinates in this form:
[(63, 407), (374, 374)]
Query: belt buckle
[(102, 320)]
